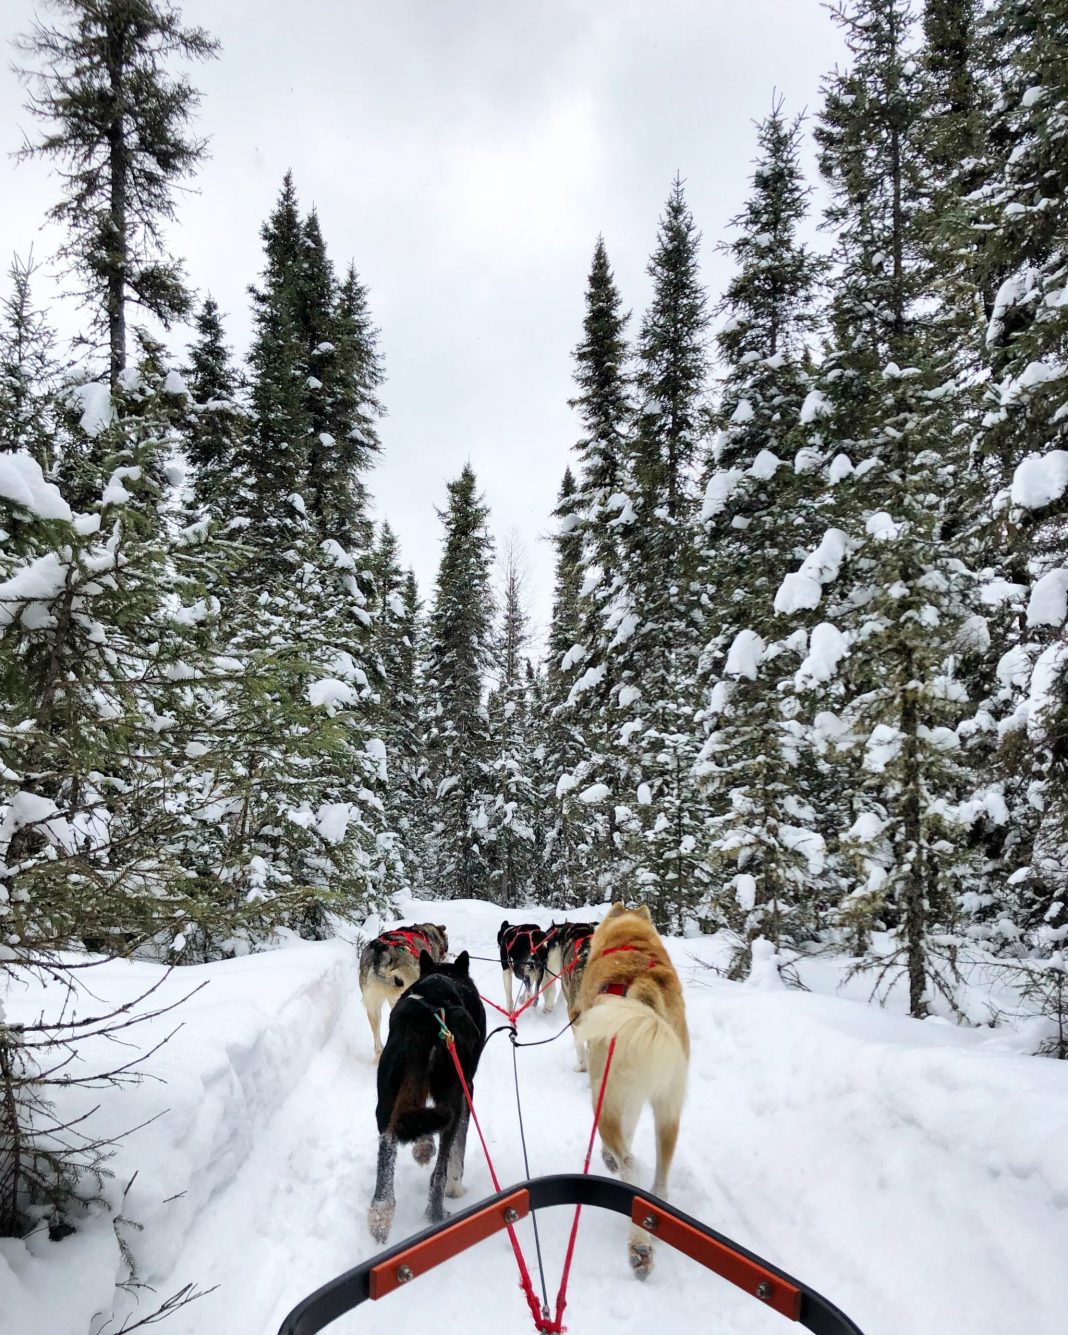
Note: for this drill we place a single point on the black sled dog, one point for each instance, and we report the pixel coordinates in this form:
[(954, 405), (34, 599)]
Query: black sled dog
[(419, 1092)]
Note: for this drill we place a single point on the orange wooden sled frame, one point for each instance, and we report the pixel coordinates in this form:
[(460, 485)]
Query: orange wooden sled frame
[(400, 1265)]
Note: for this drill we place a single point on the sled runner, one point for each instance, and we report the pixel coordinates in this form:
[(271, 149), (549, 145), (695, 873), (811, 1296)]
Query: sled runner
[(405, 1262)]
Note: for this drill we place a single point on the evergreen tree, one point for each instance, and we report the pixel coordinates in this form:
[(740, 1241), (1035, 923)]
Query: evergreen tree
[(350, 368), (117, 123), (397, 638), (658, 637), (569, 735), (272, 461), (755, 767), (584, 843), (216, 421), (1015, 223), (29, 377), (459, 654), (512, 799), (900, 592)]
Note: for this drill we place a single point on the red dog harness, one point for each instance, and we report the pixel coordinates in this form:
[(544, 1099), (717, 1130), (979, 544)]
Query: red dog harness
[(620, 989), (408, 939)]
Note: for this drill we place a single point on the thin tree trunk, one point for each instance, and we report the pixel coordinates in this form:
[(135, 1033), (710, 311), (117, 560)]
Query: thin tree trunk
[(118, 241)]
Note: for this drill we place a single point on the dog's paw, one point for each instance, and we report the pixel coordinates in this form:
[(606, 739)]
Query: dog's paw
[(423, 1150), (610, 1160), (380, 1220), (454, 1190), (641, 1259)]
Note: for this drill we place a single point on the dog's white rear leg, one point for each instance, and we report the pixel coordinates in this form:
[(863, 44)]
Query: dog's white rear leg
[(454, 1184), (666, 1112), (380, 1215), (550, 996), (508, 989), (580, 1046), (374, 1019), (617, 1135)]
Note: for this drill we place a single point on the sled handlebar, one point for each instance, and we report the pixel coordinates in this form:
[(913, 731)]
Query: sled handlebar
[(406, 1261)]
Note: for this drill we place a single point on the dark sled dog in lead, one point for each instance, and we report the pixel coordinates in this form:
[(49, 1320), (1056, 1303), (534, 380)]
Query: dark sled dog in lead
[(568, 952), (390, 963), (419, 1092), (524, 951)]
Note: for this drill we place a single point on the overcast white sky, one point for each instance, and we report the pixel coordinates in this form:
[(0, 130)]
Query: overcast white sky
[(466, 153)]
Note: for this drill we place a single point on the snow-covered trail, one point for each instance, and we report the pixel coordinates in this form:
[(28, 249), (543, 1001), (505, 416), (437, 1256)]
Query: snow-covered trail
[(917, 1179), (915, 1173)]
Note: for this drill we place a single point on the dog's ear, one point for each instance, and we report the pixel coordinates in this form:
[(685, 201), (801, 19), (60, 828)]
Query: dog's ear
[(463, 963), (426, 963), (643, 912), (617, 908), (442, 929)]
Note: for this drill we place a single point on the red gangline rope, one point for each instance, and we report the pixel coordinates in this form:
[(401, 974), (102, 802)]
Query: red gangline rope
[(541, 1319), (512, 1016), (561, 1297), (525, 1282)]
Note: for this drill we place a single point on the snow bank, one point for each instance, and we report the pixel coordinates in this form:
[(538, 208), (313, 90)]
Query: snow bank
[(243, 1044)]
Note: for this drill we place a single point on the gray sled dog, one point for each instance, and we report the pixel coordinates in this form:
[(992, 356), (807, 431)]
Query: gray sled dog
[(419, 1093), (390, 963), (631, 992)]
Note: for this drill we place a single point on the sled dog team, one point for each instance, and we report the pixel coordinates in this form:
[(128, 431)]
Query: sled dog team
[(617, 982)]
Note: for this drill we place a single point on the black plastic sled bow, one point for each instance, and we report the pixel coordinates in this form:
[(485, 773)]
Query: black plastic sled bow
[(400, 1265)]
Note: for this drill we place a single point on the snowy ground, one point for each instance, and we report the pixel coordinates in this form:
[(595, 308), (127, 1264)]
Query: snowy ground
[(915, 1173)]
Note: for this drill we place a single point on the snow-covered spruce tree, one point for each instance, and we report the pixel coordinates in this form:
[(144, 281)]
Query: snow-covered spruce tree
[(116, 120), (345, 441), (459, 656), (546, 887), (512, 799), (30, 412), (593, 518), (271, 462), (568, 729), (398, 634), (658, 639), (899, 593), (756, 766), (1015, 222), (957, 88), (216, 420)]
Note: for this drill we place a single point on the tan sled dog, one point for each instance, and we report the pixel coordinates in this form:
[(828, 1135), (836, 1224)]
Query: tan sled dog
[(630, 991)]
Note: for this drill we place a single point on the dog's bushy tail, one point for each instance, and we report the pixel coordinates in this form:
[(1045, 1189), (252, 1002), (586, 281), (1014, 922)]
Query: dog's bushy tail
[(415, 1060), (419, 1122), (648, 1051)]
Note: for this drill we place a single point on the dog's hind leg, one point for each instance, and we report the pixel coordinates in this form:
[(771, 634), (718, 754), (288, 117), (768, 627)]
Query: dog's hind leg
[(640, 1243), (617, 1133), (454, 1185), (666, 1113), (435, 1206), (508, 989), (380, 1215), (374, 1019), (580, 1046)]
